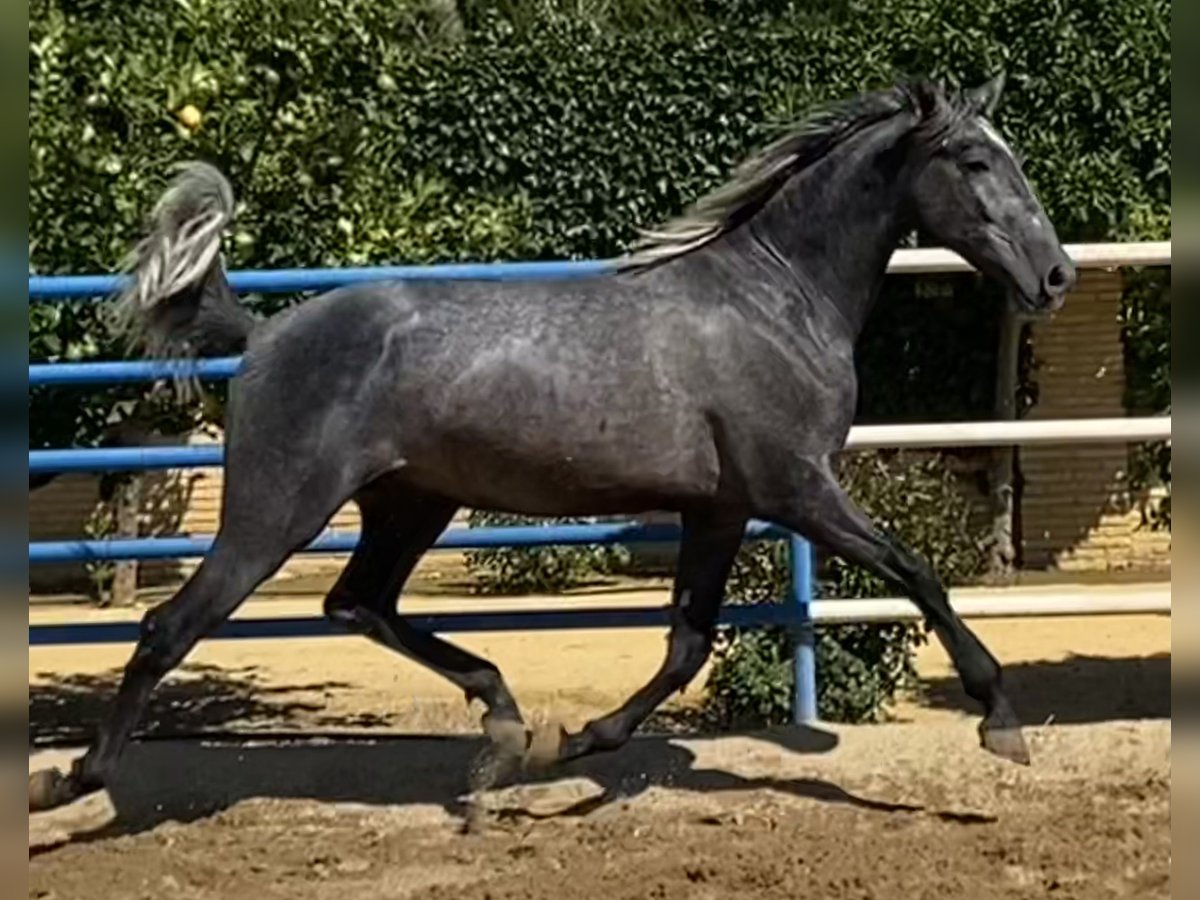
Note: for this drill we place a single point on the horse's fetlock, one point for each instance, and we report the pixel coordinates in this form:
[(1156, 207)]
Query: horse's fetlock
[(353, 616), (342, 613)]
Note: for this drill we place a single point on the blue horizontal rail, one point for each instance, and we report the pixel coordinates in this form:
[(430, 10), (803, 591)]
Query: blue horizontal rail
[(125, 459), (288, 281), (216, 368), (44, 552), (758, 615)]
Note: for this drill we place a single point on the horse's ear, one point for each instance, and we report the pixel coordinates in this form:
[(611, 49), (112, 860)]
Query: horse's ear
[(984, 98)]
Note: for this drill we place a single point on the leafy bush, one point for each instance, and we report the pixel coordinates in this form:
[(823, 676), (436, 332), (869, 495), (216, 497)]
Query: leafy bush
[(1146, 326), (538, 570), (861, 668)]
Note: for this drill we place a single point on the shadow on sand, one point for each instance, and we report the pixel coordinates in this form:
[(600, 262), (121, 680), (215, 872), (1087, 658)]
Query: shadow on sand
[(170, 780), (1079, 689), (162, 779)]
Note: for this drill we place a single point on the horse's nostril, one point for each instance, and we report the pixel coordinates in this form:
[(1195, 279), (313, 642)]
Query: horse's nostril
[(1058, 278)]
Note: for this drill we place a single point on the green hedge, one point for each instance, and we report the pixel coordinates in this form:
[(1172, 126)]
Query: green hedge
[(364, 131), (1146, 324)]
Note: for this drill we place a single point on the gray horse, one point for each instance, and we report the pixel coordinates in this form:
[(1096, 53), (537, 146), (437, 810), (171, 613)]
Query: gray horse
[(711, 375)]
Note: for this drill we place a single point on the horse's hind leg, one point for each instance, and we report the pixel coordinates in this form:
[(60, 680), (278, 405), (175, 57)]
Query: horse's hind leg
[(706, 553), (250, 547), (398, 525)]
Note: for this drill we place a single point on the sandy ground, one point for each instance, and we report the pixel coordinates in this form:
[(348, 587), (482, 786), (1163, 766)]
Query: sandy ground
[(908, 809), (911, 811)]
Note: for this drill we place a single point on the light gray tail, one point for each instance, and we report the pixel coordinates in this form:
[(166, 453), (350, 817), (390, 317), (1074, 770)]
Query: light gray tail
[(178, 301)]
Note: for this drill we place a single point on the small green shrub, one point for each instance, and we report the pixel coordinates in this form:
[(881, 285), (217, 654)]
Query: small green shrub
[(861, 668), (538, 570)]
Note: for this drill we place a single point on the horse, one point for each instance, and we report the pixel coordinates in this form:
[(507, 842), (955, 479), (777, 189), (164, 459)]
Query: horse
[(710, 374)]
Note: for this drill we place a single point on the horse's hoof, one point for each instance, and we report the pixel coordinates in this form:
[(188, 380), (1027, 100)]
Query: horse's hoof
[(545, 746), (1000, 733), (49, 788), (1007, 743)]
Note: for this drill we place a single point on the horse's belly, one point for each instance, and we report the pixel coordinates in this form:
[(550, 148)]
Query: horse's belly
[(537, 476), (523, 431)]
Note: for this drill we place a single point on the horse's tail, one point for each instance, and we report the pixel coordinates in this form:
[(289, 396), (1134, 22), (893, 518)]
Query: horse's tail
[(178, 301)]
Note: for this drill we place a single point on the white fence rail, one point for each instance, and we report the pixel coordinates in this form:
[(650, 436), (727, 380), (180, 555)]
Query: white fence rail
[(938, 260), (1026, 431), (1004, 603)]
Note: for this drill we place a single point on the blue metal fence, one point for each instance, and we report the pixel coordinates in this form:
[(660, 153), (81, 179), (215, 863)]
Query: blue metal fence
[(51, 288), (792, 611), (59, 374)]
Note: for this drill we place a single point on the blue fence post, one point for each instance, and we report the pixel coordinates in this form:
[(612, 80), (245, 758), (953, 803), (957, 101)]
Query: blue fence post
[(804, 657)]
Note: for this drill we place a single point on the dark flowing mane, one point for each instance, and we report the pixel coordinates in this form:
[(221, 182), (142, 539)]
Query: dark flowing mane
[(758, 178)]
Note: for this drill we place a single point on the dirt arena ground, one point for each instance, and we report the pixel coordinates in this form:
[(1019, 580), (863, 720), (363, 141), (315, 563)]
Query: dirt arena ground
[(318, 779)]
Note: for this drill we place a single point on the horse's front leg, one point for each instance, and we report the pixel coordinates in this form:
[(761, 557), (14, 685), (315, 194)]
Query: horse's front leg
[(817, 507), (707, 549)]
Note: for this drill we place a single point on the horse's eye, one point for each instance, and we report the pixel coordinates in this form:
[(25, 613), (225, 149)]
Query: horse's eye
[(975, 166)]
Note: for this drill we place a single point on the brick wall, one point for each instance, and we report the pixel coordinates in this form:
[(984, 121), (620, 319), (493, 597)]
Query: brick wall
[(1076, 509)]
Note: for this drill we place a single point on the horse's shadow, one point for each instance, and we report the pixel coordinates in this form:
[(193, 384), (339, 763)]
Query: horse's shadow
[(169, 780), (658, 761)]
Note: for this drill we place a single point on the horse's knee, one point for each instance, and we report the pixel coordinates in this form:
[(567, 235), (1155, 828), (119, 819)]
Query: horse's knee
[(978, 669)]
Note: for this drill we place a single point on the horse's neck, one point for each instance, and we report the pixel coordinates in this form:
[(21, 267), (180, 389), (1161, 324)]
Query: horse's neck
[(835, 226)]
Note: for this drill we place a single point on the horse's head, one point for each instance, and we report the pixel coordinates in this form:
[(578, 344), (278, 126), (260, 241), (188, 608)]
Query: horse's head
[(971, 195)]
